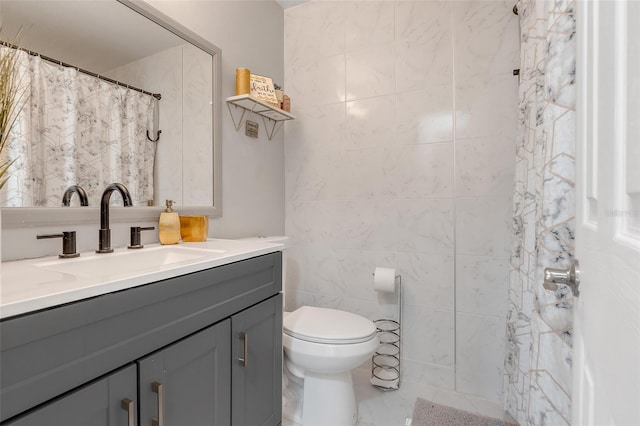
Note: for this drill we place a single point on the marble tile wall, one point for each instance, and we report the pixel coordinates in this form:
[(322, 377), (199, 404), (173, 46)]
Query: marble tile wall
[(402, 155), (539, 325), (485, 53)]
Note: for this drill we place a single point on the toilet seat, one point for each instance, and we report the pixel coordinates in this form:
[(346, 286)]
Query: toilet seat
[(328, 326)]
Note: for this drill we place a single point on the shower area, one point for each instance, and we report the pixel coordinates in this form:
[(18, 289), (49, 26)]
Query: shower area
[(417, 147)]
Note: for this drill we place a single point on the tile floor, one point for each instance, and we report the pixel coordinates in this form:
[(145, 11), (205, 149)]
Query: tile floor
[(379, 408)]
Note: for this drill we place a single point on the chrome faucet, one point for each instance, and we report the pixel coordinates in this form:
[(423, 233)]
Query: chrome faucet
[(104, 234), (82, 194)]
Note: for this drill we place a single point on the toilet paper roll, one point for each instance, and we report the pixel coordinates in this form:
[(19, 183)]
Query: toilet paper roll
[(384, 279)]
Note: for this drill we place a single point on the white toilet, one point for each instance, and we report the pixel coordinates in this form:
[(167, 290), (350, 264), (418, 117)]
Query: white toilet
[(321, 348)]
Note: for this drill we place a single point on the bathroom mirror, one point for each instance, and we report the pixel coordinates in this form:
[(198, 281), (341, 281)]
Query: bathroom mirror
[(137, 45)]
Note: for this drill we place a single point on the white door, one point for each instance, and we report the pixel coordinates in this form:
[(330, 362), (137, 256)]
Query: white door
[(606, 365)]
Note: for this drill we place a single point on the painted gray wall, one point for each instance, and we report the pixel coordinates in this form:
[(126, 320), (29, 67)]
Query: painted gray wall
[(251, 35)]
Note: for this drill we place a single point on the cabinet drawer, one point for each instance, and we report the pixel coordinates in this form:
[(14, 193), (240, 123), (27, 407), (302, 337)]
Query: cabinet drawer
[(50, 352)]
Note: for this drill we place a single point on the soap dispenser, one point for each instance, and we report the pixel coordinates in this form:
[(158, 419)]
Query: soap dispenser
[(169, 226)]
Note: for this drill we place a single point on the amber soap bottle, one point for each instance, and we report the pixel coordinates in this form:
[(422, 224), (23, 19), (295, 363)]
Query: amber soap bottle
[(169, 226)]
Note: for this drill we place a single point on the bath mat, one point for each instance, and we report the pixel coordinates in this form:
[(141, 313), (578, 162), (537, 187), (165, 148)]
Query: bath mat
[(427, 413)]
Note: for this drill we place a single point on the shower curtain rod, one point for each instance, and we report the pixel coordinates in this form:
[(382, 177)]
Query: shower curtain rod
[(93, 74)]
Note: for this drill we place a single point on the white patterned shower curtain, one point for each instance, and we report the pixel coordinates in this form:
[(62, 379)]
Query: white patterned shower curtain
[(539, 324), (75, 129)]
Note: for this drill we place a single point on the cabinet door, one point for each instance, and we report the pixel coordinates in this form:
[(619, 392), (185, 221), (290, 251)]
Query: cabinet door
[(188, 382), (109, 401), (257, 365)]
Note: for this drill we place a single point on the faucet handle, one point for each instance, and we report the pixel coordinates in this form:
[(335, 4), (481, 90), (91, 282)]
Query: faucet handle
[(135, 236), (68, 243)]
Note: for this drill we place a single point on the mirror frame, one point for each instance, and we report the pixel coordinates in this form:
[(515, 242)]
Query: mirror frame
[(16, 217)]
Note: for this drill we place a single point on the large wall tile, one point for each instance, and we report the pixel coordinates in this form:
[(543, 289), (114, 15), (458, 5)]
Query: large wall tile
[(424, 171), (370, 72), (303, 222), (368, 309), (428, 336), (419, 22), (486, 39), (304, 24), (424, 66), (317, 128), (356, 224), (432, 374), (483, 225), (425, 225), (336, 172), (370, 122), (305, 174), (479, 355), (425, 115), (484, 166), (368, 23), (427, 279), (316, 80), (487, 107), (424, 45), (355, 271), (383, 231), (370, 173), (481, 285)]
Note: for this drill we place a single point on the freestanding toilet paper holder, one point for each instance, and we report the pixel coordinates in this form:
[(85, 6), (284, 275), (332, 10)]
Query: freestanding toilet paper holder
[(385, 368)]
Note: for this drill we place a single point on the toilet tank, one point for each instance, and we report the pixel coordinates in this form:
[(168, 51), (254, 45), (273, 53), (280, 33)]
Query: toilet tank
[(277, 239)]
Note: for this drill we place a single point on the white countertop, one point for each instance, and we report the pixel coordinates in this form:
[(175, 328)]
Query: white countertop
[(34, 284)]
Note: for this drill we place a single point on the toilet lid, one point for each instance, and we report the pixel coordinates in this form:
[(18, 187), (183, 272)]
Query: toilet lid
[(322, 325)]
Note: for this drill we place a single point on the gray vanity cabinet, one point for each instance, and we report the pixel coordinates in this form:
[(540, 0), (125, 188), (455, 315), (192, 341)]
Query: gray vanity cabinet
[(256, 370), (174, 341), (105, 402)]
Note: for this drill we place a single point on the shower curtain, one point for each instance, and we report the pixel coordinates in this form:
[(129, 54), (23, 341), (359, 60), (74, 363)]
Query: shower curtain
[(537, 388), (75, 129)]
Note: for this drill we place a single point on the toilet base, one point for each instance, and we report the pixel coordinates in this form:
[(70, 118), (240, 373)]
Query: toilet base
[(327, 400), (291, 396)]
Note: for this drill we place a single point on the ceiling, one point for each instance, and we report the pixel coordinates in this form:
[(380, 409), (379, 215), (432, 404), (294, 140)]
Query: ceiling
[(289, 3), (95, 35)]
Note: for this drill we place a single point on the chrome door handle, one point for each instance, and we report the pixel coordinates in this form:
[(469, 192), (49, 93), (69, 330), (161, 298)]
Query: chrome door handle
[(569, 277)]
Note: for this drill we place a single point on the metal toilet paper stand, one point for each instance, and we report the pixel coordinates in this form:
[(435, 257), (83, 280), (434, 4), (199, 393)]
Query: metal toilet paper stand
[(385, 368)]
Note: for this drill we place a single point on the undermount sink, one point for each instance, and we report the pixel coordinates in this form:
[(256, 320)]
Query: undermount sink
[(127, 262)]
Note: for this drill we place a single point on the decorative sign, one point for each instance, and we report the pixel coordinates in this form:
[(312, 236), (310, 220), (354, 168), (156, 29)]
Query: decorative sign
[(251, 129), (262, 88)]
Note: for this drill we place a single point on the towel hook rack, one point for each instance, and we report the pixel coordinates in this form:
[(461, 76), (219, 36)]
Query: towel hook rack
[(157, 136)]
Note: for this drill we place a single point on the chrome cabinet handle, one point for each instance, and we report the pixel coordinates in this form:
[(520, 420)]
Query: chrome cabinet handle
[(245, 343), (569, 277), (127, 405), (157, 388)]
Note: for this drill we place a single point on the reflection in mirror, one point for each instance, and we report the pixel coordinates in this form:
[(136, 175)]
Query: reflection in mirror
[(76, 128)]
